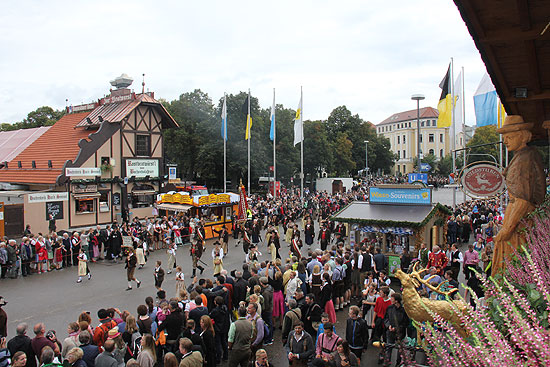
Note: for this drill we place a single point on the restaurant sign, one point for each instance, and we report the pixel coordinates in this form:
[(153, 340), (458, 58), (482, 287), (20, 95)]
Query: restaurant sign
[(400, 196), (45, 197), (142, 167), (82, 171), (482, 180)]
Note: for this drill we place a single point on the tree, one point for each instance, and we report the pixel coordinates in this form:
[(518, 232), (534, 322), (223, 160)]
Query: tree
[(42, 116), (483, 135)]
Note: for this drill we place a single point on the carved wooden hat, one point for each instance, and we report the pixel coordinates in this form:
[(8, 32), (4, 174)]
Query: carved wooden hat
[(514, 123)]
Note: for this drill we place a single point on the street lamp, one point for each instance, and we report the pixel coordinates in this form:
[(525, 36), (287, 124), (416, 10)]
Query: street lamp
[(418, 98), (366, 158)]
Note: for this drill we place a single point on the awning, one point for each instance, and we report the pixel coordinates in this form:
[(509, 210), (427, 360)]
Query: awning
[(144, 192), (174, 207), (88, 195)]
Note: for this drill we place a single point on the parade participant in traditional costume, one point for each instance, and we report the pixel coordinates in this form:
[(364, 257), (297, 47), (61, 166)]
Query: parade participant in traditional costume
[(140, 252), (172, 249), (159, 275), (83, 269), (223, 234), (180, 281), (309, 232), (246, 239), (295, 246), (324, 236), (274, 245), (217, 259), (131, 261), (197, 248)]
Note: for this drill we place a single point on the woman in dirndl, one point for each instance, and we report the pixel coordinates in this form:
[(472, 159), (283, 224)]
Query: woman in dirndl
[(325, 299), (83, 269), (140, 253)]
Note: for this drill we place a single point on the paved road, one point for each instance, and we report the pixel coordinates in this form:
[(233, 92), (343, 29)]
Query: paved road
[(56, 299)]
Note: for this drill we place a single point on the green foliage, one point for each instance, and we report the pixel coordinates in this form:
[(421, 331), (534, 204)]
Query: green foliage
[(484, 135), (335, 146), (42, 116)]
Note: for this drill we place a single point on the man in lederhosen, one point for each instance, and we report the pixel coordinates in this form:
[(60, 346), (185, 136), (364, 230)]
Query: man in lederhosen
[(197, 248)]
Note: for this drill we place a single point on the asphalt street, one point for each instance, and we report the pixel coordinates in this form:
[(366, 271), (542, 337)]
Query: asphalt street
[(56, 299)]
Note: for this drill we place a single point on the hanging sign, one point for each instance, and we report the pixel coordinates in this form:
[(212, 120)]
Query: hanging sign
[(482, 180)]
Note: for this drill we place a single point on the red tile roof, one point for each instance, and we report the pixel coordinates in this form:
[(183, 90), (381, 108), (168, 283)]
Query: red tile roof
[(425, 112), (58, 144)]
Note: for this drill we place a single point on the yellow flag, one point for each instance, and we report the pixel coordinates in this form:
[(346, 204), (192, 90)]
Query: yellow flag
[(248, 127)]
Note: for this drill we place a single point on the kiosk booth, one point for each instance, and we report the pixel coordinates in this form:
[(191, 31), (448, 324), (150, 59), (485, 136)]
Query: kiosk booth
[(397, 217), (217, 210)]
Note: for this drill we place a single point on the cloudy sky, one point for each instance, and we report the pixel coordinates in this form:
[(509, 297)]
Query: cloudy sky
[(368, 55)]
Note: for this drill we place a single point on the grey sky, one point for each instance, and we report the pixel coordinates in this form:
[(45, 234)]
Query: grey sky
[(368, 55)]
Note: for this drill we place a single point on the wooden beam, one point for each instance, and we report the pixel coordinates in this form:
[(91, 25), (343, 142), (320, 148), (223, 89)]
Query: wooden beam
[(543, 95), (533, 65), (523, 14), (515, 34)]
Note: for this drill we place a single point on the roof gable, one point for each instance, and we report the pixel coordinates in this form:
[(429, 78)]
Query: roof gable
[(425, 112)]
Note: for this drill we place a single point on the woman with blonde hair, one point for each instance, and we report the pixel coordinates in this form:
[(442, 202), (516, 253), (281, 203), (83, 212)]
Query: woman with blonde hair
[(207, 336), (130, 335), (147, 357), (75, 357)]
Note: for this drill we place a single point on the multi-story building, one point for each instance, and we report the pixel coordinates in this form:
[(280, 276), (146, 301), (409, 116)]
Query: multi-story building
[(401, 129)]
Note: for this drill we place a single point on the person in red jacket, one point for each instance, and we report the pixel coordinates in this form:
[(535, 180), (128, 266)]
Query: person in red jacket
[(437, 259), (380, 307)]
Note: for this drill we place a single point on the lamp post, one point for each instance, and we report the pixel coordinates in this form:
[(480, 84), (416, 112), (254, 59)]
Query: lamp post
[(366, 158), (418, 98)]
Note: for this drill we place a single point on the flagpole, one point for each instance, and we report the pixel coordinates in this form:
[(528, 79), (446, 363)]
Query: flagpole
[(463, 131), (249, 138), (453, 141), (302, 146), (274, 140), (225, 144)]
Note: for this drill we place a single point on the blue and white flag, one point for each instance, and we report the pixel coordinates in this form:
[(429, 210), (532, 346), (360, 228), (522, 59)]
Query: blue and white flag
[(272, 118), (485, 102), (224, 118)]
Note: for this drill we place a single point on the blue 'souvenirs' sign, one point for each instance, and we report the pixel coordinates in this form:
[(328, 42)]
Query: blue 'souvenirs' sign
[(410, 196)]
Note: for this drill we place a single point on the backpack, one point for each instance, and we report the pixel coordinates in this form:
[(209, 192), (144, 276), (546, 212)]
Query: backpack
[(255, 331), (135, 347)]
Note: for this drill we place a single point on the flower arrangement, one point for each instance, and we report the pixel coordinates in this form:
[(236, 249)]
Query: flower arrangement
[(511, 326)]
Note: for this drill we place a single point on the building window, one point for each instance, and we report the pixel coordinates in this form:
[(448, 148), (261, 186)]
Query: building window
[(409, 124), (398, 140), (404, 169), (404, 155), (421, 138), (441, 153), (403, 139), (398, 168), (104, 201), (143, 145), (430, 138), (398, 154), (422, 124), (441, 138), (85, 205), (431, 152)]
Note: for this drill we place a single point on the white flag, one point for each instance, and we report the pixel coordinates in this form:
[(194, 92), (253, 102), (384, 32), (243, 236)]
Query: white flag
[(459, 115), (298, 122)]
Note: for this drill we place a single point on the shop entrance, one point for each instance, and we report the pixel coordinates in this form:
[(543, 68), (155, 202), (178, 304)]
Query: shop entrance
[(14, 220)]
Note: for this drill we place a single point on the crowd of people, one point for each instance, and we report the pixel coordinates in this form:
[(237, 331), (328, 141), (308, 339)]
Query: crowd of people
[(292, 299)]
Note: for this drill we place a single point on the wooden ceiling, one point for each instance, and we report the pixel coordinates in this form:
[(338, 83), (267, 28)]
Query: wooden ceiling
[(513, 38)]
